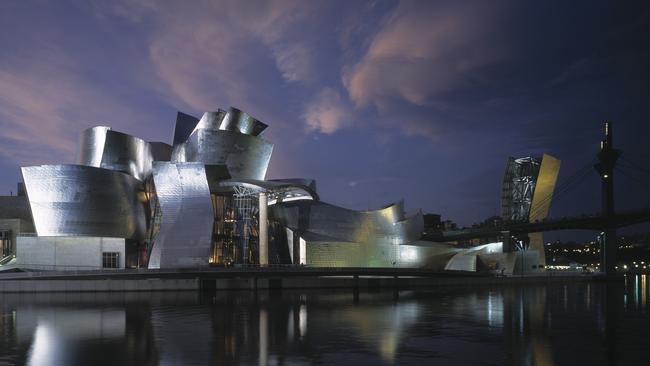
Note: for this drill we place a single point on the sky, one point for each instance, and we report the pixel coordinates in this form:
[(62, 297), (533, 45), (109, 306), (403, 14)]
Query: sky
[(376, 100)]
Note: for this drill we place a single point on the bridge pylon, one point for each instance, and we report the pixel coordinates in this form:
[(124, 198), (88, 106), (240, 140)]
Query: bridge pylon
[(607, 157)]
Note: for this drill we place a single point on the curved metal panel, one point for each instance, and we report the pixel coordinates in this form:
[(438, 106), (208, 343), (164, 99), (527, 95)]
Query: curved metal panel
[(247, 157), (239, 121), (127, 154), (545, 184), (102, 147), (210, 120), (185, 234), (465, 260), (70, 200), (384, 225), (336, 236), (91, 146)]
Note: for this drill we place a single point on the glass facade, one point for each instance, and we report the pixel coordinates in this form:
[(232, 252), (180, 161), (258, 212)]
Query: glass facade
[(235, 232)]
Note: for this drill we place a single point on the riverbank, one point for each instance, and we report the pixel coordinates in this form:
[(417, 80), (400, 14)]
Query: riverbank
[(260, 279)]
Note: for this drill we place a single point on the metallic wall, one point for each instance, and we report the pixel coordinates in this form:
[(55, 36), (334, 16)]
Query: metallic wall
[(245, 156), (185, 234), (210, 121), (242, 122), (102, 147), (91, 146), (388, 224), (546, 180), (70, 200), (337, 236), (160, 151)]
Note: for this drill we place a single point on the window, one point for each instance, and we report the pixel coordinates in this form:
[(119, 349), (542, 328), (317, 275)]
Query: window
[(5, 243), (110, 260)]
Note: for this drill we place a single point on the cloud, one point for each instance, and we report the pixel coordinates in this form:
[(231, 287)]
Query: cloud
[(44, 106), (293, 61), (216, 51), (422, 50), (327, 113)]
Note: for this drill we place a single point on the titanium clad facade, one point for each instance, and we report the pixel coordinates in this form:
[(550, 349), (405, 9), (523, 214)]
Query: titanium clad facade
[(245, 156), (102, 147), (242, 122), (91, 146), (195, 203), (338, 237), (388, 224), (127, 154), (210, 121), (77, 200), (160, 151), (185, 234)]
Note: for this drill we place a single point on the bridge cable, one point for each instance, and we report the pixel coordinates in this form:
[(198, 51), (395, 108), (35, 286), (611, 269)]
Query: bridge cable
[(573, 181), (561, 191), (643, 184), (632, 165), (564, 187)]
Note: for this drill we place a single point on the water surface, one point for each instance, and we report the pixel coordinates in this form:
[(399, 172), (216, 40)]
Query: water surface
[(556, 324)]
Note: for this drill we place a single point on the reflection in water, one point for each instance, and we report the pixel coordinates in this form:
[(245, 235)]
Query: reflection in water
[(573, 323)]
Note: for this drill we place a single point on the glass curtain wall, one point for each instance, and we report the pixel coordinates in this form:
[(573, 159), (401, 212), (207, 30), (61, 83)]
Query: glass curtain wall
[(235, 231)]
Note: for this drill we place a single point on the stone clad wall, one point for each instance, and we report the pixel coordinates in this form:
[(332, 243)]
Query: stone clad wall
[(63, 253)]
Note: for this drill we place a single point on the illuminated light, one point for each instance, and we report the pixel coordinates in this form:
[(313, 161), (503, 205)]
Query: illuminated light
[(302, 320), (625, 266), (605, 176), (303, 252)]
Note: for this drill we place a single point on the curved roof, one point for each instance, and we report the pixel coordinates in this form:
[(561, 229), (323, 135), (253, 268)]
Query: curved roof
[(278, 190)]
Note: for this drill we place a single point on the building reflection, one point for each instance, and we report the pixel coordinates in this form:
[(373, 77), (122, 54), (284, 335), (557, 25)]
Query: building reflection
[(522, 325), (76, 329)]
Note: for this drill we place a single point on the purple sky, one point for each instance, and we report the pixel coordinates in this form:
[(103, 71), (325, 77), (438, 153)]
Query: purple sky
[(378, 101)]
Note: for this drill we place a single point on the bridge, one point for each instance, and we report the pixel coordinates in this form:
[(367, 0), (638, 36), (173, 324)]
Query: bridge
[(594, 222), (608, 221)]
